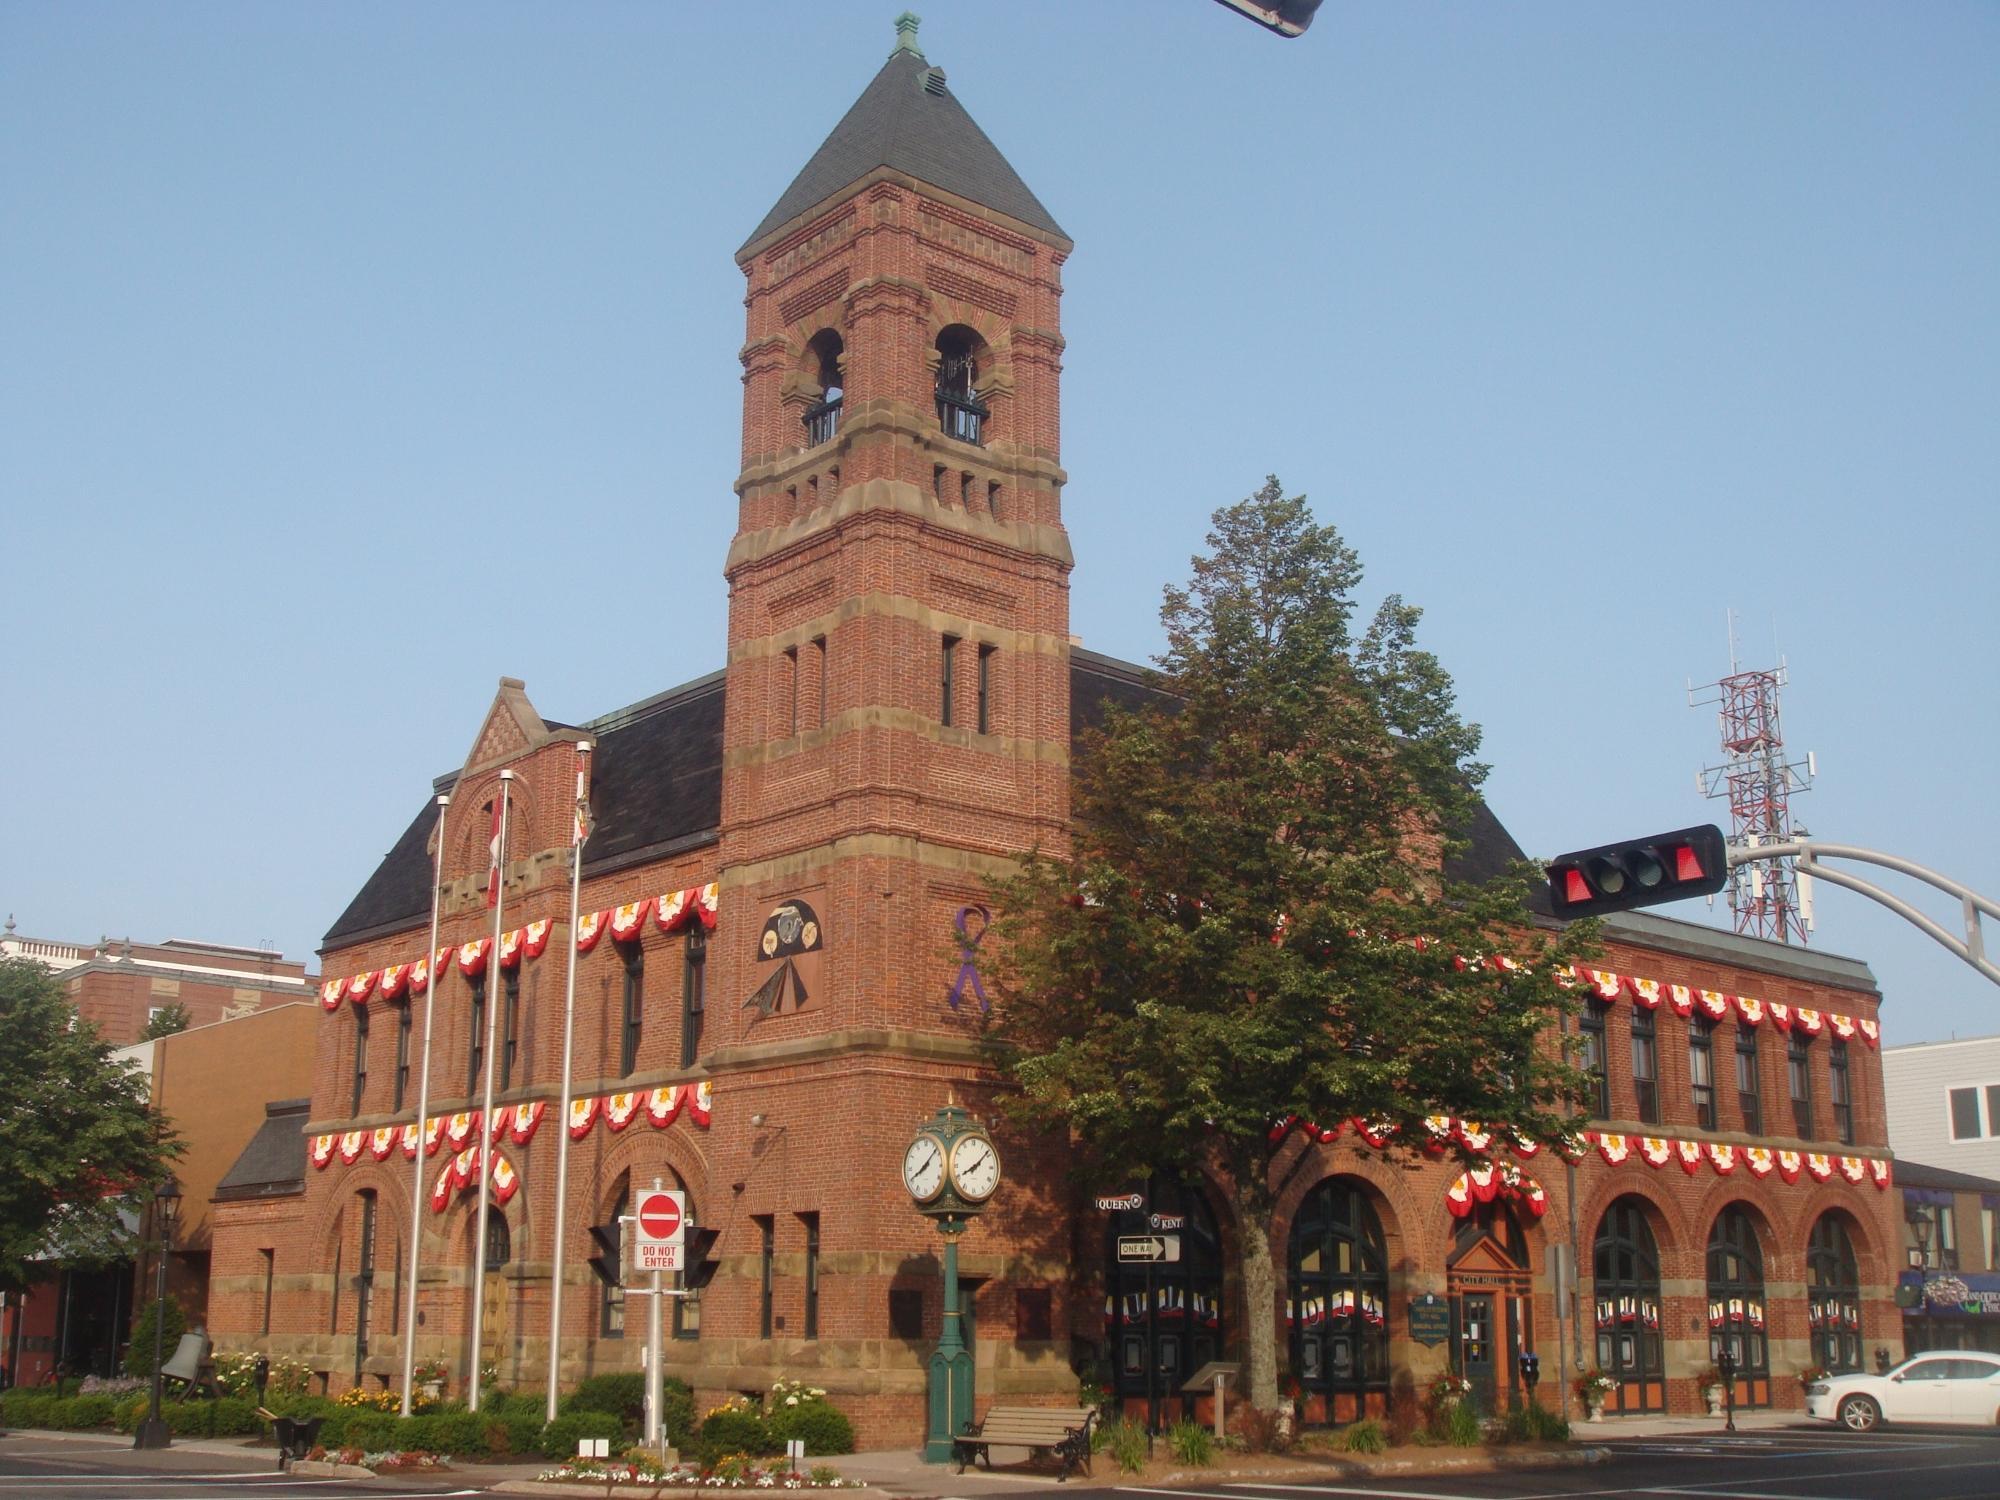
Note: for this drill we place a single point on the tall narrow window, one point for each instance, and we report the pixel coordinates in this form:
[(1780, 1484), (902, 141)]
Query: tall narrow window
[(510, 1024), (819, 681), (694, 976), (810, 1223), (270, 1259), (360, 1058), (364, 1282), (635, 1005), (789, 689), (475, 1052), (961, 414), (986, 654), (1595, 1060), (1964, 1114), (1701, 1070), (1645, 1066), (404, 1023), (1798, 1067), (1837, 1091), (687, 1310), (611, 1298), (333, 1313), (1749, 1093), (767, 1245), (947, 677)]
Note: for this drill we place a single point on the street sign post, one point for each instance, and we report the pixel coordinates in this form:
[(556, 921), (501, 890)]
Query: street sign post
[(1146, 1249), (660, 1231)]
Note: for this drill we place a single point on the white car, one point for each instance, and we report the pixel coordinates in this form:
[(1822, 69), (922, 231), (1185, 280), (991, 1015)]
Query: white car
[(1949, 1385)]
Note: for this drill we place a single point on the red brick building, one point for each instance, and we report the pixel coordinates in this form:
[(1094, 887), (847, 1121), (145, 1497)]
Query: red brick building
[(772, 895)]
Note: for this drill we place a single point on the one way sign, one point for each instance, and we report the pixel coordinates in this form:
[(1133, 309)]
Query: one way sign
[(1149, 1247)]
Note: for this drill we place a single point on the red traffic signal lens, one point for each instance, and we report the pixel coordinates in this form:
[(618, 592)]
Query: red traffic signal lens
[(1687, 864), (1639, 872)]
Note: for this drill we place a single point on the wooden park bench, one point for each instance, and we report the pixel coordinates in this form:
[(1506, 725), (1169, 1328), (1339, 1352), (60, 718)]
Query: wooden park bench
[(1062, 1432)]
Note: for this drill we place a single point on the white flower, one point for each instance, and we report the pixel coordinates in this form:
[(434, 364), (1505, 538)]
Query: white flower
[(791, 1400)]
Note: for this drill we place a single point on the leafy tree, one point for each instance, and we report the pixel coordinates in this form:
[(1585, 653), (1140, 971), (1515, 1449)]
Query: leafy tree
[(1253, 920), (139, 1353), (75, 1132), (166, 1021)]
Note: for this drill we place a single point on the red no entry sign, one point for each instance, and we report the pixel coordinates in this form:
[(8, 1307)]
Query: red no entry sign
[(660, 1219)]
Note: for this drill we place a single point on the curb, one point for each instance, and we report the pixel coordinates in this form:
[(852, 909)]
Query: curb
[(320, 1468), (599, 1488)]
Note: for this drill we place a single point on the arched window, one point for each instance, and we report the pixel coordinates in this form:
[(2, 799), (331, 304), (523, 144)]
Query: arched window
[(499, 1241), (687, 1310), (1337, 1301), (1179, 1329), (822, 418), (1736, 1304), (961, 414), (611, 1299), (1833, 1296), (1626, 1268)]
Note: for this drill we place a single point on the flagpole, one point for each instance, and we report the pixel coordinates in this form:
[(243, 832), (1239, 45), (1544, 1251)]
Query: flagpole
[(579, 831), (497, 885), (423, 1112)]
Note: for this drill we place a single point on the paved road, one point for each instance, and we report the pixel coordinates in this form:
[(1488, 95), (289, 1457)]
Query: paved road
[(1788, 1463), (51, 1467)]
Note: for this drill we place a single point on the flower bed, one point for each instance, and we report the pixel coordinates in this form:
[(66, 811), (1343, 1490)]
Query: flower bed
[(736, 1472)]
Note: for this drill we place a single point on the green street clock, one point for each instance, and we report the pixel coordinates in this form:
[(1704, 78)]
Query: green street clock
[(950, 1170)]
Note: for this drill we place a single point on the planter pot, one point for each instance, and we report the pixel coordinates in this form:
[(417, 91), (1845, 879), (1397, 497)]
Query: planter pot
[(1595, 1405), (1714, 1395), (431, 1390)]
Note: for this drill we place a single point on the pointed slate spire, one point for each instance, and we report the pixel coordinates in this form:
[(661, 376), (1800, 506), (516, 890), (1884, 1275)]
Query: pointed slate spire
[(907, 120)]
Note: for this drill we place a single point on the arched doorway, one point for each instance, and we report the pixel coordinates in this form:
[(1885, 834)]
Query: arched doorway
[(1337, 1304), (1736, 1304), (1163, 1321), (1626, 1269), (496, 1314), (1489, 1281), (1833, 1296)]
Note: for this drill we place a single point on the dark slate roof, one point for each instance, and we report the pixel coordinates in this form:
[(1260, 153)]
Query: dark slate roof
[(1914, 1174), (897, 123), (656, 788), (274, 1162)]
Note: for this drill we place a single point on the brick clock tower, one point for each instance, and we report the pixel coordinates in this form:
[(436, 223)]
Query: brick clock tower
[(898, 710)]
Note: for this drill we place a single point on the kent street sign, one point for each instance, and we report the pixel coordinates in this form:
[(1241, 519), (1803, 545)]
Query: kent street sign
[(1148, 1247), (1166, 1221)]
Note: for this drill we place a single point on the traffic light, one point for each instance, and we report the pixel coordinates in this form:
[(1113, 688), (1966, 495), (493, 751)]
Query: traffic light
[(1639, 872), (1289, 18), (607, 1265), (700, 1269)]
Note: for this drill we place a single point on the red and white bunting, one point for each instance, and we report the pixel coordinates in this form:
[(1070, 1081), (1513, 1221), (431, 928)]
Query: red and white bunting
[(589, 928), (1722, 1156), (510, 949), (1761, 1160), (465, 1167), (1820, 1165), (527, 1120), (1437, 1133), (351, 1145), (698, 1102), (441, 1190), (433, 1135), (1458, 1197), (1713, 1003), (1681, 997), (626, 920), (1689, 1154), (1657, 1150), (382, 1142), (1790, 1163), (535, 936), (697, 903), (1473, 1137), (1750, 1009), (1645, 991), (1843, 1026), (506, 1181), (1853, 1168), (412, 1136), (394, 978), (1870, 1032), (1878, 1168), (1809, 1021), (322, 1150), (620, 1108), (361, 986), (420, 976), (330, 992), (459, 1128), (1376, 1133), (1604, 984), (663, 1106), (1614, 1148), (1781, 1015), (582, 1115), (472, 957)]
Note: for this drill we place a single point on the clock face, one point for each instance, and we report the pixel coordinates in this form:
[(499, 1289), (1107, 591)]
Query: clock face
[(923, 1168), (975, 1168)]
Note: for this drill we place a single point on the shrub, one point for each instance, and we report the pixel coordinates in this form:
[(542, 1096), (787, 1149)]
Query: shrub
[(371, 1430), (558, 1439), (1127, 1446), (1260, 1430), (47, 1409), (1192, 1443), (448, 1432), (1365, 1436), (139, 1357), (1535, 1423), (1461, 1425), (116, 1386), (822, 1425), (677, 1412), (622, 1394), (734, 1427)]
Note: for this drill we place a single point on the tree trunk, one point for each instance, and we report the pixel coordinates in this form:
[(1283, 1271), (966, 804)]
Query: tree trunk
[(1260, 1288)]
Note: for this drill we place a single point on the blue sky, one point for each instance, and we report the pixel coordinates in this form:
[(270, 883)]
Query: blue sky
[(351, 357)]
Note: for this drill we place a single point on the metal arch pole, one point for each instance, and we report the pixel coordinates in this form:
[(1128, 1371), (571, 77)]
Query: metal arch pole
[(423, 1115), (562, 1117), (493, 1004), (1809, 853)]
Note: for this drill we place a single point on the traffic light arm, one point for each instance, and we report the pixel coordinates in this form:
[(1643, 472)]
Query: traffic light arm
[(1809, 852)]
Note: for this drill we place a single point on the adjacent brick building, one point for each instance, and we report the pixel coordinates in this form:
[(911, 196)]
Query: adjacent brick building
[(778, 899)]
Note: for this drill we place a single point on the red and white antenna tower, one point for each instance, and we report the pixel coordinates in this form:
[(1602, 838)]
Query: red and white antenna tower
[(1770, 898)]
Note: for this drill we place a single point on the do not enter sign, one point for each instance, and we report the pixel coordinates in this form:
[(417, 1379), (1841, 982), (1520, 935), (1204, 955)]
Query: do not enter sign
[(661, 1223)]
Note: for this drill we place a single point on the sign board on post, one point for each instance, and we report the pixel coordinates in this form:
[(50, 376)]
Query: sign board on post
[(1119, 1202), (661, 1229), (1147, 1248), (1430, 1319)]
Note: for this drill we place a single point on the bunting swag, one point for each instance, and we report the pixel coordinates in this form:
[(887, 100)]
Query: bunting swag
[(1482, 1181), (1715, 1005), (461, 1174), (398, 982)]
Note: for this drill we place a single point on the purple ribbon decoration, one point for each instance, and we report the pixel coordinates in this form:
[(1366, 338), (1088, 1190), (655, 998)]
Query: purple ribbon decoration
[(967, 952)]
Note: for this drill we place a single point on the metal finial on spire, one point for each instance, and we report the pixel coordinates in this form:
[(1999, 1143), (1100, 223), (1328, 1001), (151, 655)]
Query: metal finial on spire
[(906, 33)]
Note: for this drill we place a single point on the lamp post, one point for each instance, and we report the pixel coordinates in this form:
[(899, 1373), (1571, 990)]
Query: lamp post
[(153, 1432), (1920, 1228)]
